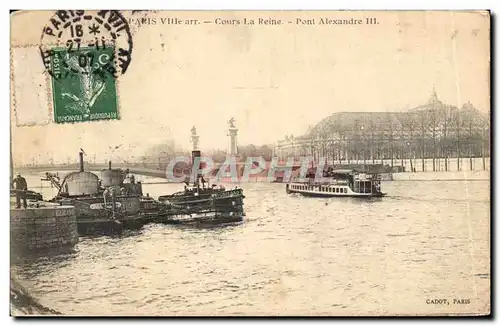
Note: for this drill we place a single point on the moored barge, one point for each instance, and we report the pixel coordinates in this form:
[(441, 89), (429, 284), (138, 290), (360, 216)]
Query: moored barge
[(203, 205), (109, 203), (115, 201)]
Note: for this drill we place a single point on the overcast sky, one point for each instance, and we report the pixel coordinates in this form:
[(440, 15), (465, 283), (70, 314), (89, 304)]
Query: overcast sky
[(274, 80)]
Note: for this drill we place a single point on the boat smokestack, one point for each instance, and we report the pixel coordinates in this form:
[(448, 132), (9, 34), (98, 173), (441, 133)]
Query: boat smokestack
[(109, 165), (194, 155), (81, 161)]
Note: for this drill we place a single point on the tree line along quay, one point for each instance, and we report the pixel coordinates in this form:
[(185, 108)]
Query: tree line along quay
[(433, 131)]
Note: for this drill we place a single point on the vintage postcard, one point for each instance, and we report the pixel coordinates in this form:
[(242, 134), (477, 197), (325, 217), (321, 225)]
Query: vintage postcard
[(250, 163)]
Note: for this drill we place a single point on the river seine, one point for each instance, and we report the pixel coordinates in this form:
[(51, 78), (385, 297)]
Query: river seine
[(403, 254)]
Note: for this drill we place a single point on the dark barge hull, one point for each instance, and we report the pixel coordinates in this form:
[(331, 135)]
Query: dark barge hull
[(93, 218), (113, 226), (209, 207), (200, 221), (218, 201)]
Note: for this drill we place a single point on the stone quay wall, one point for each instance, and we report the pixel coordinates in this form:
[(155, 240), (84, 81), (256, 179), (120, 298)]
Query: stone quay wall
[(40, 228)]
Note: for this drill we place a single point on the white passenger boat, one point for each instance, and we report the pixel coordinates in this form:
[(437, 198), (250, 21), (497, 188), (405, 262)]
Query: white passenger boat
[(338, 183)]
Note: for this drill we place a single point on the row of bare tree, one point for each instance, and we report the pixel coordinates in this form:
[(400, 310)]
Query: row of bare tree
[(434, 131)]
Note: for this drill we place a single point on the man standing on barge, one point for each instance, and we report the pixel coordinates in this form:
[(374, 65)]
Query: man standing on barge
[(21, 187)]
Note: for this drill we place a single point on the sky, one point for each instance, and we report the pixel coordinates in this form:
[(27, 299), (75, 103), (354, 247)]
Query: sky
[(274, 80)]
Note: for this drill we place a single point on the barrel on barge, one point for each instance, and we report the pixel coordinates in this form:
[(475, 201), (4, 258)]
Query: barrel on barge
[(110, 203)]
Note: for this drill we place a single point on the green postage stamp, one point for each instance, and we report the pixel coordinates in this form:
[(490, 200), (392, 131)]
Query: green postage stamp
[(83, 84)]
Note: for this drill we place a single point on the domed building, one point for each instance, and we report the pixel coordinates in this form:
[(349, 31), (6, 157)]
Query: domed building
[(432, 131)]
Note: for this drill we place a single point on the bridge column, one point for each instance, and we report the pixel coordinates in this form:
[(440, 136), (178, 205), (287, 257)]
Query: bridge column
[(233, 134)]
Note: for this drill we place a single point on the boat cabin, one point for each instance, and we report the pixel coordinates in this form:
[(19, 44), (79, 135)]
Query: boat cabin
[(342, 182)]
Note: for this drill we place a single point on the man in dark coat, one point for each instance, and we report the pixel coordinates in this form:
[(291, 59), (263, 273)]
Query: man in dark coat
[(20, 185)]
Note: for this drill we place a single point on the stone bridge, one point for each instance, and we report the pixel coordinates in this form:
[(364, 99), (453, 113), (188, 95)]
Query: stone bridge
[(134, 169), (94, 167)]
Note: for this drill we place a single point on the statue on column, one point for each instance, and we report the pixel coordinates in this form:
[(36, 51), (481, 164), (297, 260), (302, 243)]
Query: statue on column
[(194, 138), (233, 134)]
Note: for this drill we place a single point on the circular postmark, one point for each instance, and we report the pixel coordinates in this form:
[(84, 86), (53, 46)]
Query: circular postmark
[(86, 42)]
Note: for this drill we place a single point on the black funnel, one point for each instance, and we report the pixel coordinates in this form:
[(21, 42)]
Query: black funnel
[(194, 155), (81, 161)]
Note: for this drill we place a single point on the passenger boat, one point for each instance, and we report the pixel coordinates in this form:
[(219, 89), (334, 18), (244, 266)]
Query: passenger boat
[(338, 183)]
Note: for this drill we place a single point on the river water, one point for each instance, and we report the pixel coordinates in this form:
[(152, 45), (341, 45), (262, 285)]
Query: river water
[(291, 256)]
